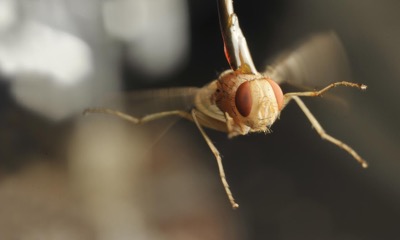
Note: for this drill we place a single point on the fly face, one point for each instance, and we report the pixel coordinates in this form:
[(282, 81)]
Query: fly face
[(252, 102)]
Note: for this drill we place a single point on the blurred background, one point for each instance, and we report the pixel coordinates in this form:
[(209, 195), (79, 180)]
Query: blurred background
[(65, 176)]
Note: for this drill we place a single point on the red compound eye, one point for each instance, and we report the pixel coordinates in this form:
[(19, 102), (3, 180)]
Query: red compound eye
[(278, 93), (243, 99)]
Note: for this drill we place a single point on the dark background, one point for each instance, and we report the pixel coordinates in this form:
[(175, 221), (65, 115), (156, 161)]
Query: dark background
[(290, 184)]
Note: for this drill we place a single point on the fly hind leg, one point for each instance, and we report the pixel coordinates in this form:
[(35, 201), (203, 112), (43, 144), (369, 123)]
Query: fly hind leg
[(215, 151), (325, 135), (135, 120)]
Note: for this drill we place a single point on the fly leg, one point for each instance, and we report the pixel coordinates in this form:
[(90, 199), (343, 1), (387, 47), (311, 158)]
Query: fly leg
[(322, 132), (214, 150), (135, 120), (183, 114), (327, 88)]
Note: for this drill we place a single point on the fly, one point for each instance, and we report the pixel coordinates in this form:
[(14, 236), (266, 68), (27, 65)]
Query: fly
[(242, 100)]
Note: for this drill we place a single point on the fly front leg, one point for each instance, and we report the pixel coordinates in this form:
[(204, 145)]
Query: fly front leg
[(235, 129), (135, 120), (325, 135), (322, 91), (230, 125), (215, 151)]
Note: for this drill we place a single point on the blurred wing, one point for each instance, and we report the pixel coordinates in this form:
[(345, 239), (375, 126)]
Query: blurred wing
[(236, 51), (318, 61), (143, 102)]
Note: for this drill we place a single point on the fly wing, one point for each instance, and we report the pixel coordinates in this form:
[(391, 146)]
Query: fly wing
[(318, 61), (143, 102)]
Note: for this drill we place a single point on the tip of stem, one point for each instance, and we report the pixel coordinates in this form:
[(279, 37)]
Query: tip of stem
[(235, 206)]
